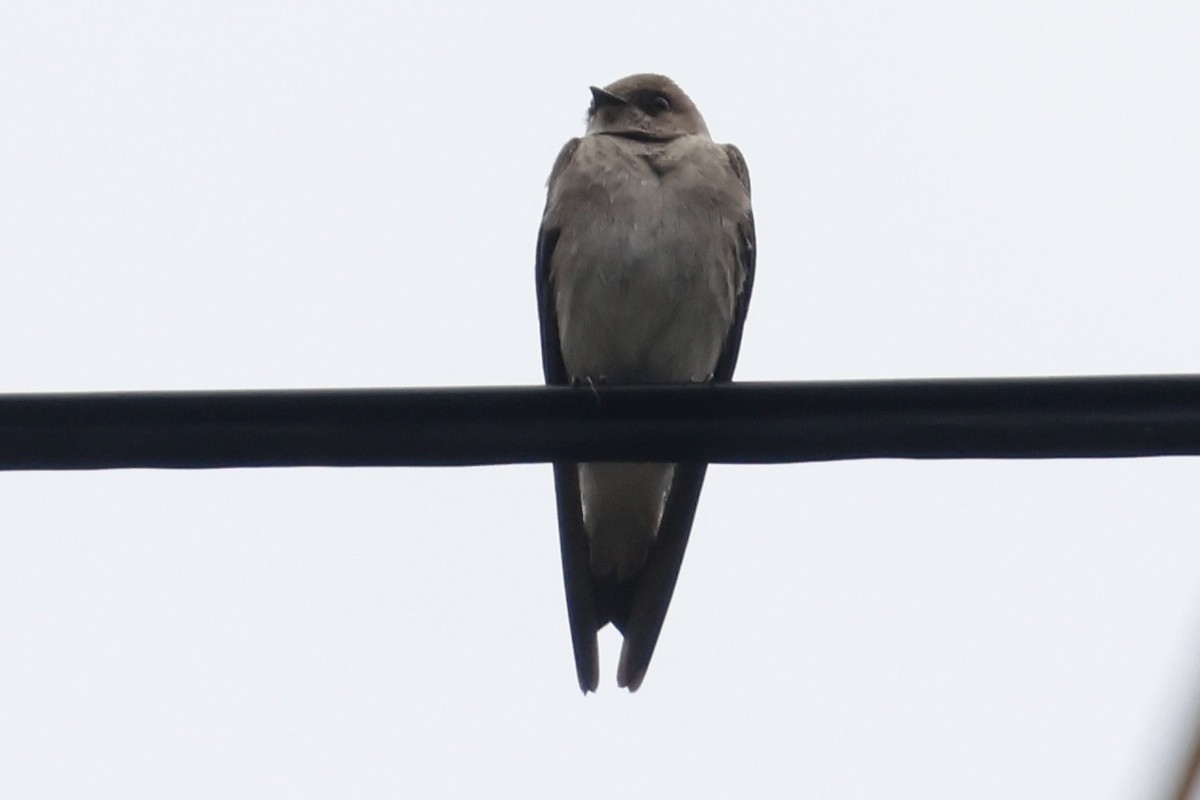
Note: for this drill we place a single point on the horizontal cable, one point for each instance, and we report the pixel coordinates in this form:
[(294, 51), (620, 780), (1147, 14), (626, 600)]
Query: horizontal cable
[(1079, 417)]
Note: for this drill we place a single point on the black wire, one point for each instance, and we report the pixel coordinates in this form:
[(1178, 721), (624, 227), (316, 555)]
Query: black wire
[(1084, 417)]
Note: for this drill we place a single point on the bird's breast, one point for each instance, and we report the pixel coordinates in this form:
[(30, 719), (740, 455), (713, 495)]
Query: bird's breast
[(644, 275)]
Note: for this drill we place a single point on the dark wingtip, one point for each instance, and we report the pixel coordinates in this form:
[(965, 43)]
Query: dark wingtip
[(577, 578), (631, 671), (588, 672), (656, 583)]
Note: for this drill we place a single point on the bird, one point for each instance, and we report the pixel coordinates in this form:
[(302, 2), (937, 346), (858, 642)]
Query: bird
[(645, 265)]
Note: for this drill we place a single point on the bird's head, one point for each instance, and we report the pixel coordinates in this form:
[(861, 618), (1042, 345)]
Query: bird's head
[(645, 107)]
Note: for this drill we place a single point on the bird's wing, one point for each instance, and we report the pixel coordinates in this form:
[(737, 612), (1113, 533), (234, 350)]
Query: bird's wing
[(577, 573), (577, 576), (745, 254), (552, 361), (657, 581)]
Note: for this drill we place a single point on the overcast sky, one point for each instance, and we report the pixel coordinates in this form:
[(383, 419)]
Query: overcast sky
[(225, 195)]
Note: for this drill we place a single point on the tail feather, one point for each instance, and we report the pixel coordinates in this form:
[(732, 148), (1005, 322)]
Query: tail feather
[(636, 604), (656, 583), (614, 601)]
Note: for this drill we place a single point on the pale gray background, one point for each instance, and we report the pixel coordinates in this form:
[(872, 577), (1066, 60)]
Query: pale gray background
[(215, 196)]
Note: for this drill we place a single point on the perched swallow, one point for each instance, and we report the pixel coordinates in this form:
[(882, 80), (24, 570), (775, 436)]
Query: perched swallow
[(645, 261)]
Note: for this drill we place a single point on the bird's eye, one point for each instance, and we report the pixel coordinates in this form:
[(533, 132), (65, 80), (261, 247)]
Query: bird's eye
[(660, 103)]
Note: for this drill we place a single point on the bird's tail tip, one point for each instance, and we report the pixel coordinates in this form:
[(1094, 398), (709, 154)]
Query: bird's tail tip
[(630, 675)]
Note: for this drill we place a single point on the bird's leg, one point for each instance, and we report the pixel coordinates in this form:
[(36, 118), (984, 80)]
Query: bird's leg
[(590, 384)]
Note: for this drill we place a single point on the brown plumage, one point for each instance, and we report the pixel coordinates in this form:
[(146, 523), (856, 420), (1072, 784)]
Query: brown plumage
[(645, 264)]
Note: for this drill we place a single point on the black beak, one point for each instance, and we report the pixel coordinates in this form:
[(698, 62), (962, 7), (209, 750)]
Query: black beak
[(602, 98)]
